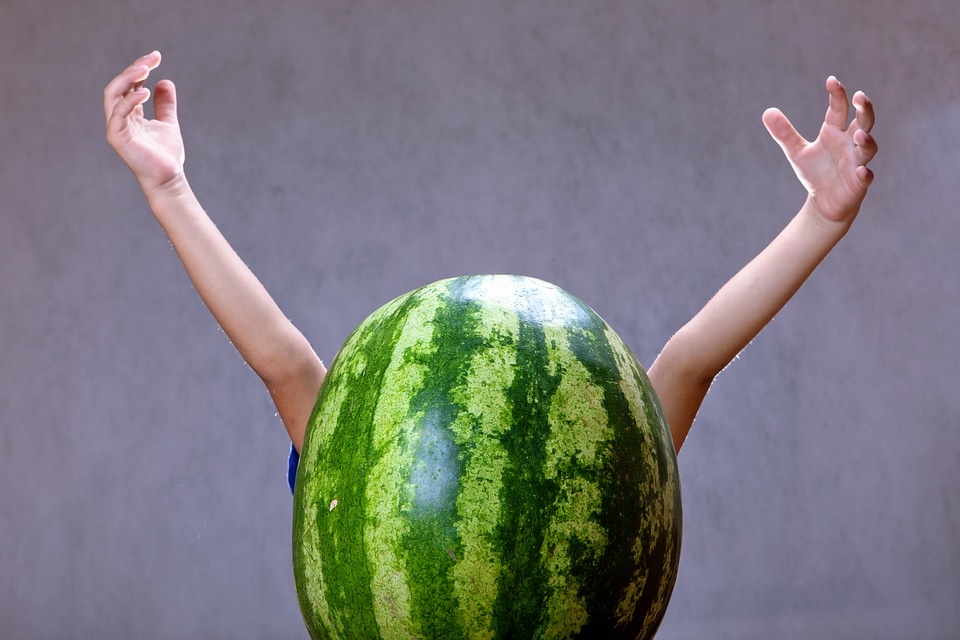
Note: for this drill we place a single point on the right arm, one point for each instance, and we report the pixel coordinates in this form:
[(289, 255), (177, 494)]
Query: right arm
[(265, 338)]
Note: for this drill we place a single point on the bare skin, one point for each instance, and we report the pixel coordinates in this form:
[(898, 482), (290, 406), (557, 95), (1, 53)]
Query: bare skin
[(263, 335), (833, 169)]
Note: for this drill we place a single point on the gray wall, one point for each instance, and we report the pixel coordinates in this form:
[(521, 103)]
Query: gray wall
[(354, 150)]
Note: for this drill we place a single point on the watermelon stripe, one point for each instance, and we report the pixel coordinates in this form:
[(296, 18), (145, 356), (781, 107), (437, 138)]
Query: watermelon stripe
[(657, 545), (387, 492), (479, 430), (308, 541), (348, 599), (576, 452), (523, 578), (432, 545), (353, 605), (608, 574)]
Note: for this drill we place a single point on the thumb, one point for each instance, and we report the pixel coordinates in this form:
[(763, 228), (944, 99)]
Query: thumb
[(781, 130), (165, 102)]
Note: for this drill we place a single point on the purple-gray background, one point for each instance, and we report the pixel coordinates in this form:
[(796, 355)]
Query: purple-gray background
[(353, 150)]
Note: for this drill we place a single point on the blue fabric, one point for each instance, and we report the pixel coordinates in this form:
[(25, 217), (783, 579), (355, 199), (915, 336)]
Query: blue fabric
[(292, 463)]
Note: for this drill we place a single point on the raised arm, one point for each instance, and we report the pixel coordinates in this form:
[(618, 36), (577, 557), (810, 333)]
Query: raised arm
[(833, 169), (265, 338)]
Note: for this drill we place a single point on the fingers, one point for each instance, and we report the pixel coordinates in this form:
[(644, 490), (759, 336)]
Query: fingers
[(125, 108), (866, 147), (865, 116), (860, 127), (865, 176), (838, 108), (129, 82), (783, 131), (165, 102)]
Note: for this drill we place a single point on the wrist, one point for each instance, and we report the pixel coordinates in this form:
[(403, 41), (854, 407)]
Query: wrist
[(173, 203), (174, 189), (822, 224)]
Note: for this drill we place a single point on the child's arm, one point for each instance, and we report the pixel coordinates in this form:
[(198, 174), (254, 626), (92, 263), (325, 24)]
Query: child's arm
[(265, 338), (833, 170)]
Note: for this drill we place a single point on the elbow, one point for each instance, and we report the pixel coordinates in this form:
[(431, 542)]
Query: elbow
[(685, 363), (286, 357), (290, 368)]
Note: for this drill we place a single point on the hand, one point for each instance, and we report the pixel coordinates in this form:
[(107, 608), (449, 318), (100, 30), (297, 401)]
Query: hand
[(153, 149), (833, 168)]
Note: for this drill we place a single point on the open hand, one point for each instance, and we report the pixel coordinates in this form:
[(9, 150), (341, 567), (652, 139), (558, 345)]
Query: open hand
[(153, 149), (833, 168)]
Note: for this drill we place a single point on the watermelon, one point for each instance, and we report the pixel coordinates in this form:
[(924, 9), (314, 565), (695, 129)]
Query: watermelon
[(486, 459)]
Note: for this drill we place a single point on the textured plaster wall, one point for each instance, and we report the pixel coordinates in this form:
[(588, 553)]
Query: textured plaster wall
[(353, 150)]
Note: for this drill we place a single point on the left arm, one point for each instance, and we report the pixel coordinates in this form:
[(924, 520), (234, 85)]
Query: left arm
[(833, 168)]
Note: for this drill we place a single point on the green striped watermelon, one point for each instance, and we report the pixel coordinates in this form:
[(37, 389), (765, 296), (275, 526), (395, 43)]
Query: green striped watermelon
[(486, 459)]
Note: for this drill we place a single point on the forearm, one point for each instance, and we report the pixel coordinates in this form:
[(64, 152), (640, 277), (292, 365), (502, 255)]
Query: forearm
[(749, 300), (737, 313), (248, 315)]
